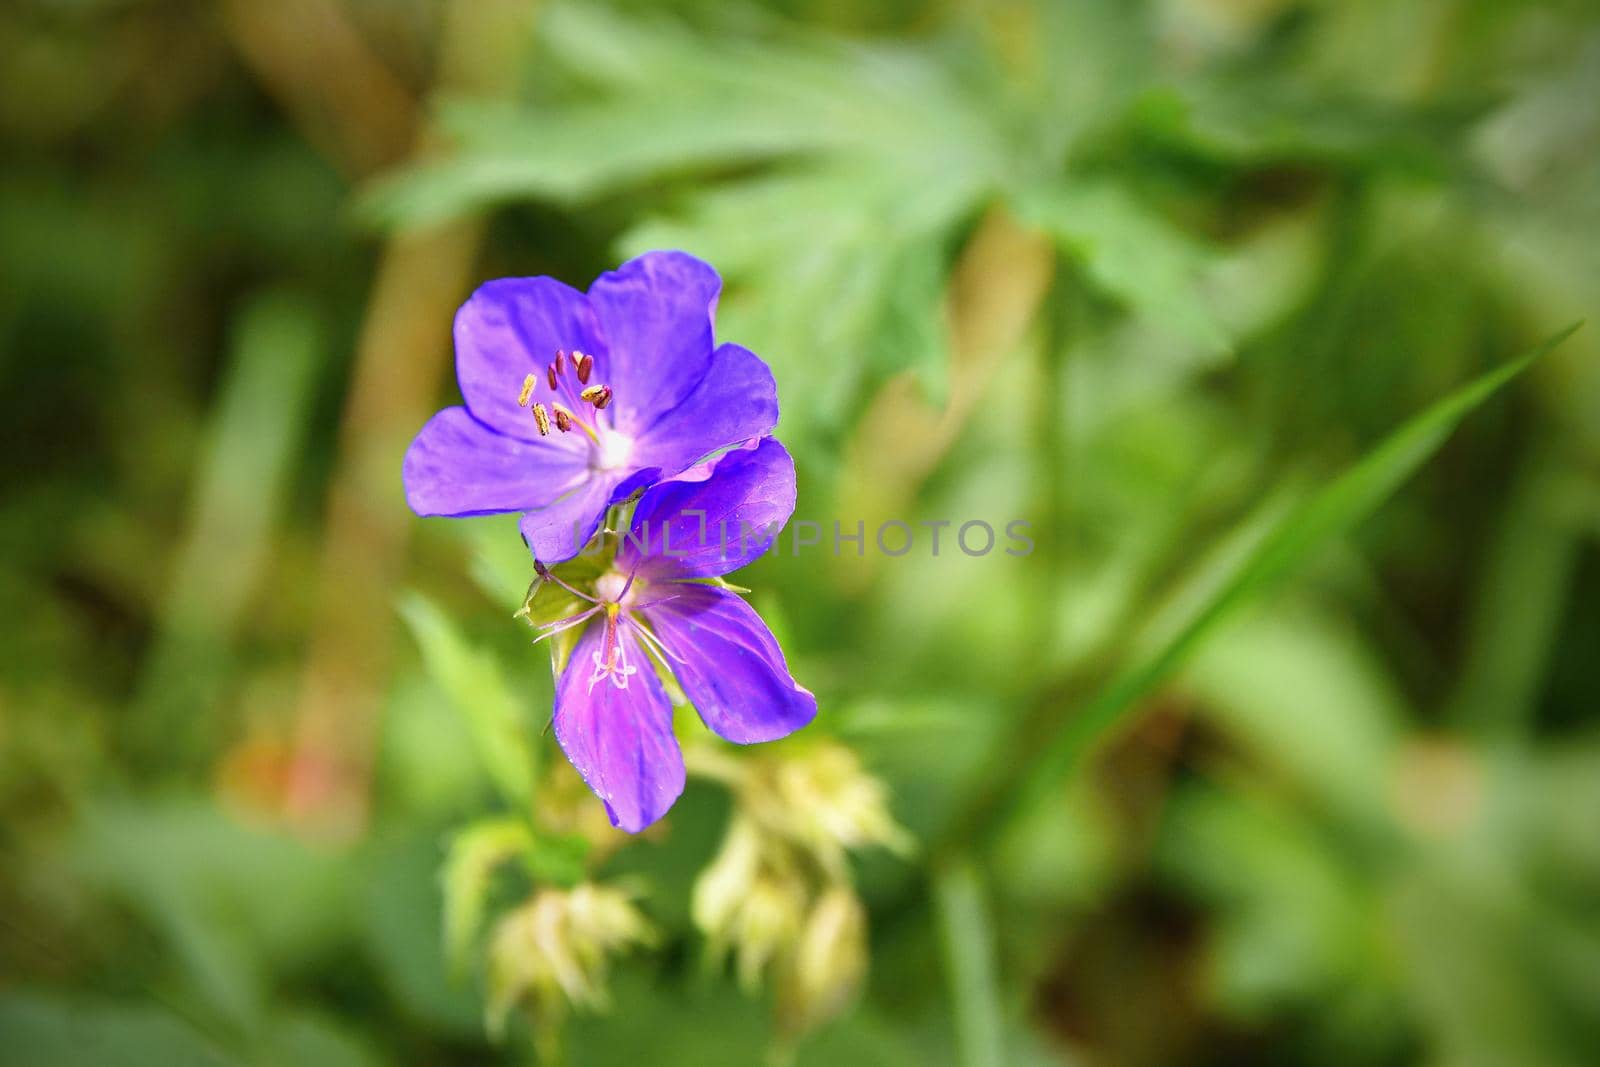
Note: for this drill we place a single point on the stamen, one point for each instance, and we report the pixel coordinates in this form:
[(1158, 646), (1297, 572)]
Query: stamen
[(550, 576), (598, 395), (563, 419), (527, 390), (561, 361), (550, 373), (550, 629), (583, 363), (652, 643), (542, 417)]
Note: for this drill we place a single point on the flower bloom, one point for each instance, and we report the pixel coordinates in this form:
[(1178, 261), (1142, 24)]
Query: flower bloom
[(575, 401), (612, 715)]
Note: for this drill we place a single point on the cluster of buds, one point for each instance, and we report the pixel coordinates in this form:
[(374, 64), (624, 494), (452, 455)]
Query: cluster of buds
[(567, 396), (552, 953), (778, 898)]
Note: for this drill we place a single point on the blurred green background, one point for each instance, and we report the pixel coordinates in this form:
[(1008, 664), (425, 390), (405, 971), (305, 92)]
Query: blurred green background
[(1244, 764)]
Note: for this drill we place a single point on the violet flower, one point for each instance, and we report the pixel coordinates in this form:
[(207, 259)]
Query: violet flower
[(576, 401), (652, 606)]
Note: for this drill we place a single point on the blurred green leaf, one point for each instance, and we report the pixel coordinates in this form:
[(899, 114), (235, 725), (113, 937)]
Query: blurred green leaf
[(501, 563), (684, 102), (1302, 692), (41, 1030), (1526, 583), (230, 901), (401, 921), (472, 680), (1265, 117), (1130, 252), (1294, 925)]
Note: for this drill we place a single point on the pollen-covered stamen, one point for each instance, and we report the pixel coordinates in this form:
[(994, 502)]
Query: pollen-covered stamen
[(598, 395), (542, 418), (583, 363), (527, 390)]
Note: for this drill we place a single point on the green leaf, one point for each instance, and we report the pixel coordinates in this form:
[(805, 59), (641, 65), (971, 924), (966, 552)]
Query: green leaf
[(967, 934), (228, 902), (40, 1030), (474, 683), (631, 101), (1267, 117), (1131, 253), (1305, 530)]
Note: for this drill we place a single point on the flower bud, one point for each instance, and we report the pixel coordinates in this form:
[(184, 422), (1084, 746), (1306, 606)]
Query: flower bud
[(825, 971), (766, 926), (827, 803), (725, 884), (551, 954)]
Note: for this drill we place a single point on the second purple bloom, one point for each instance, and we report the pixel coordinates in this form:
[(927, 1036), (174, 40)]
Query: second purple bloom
[(649, 606)]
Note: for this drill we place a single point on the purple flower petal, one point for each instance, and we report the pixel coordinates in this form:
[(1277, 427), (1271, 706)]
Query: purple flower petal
[(713, 518), (458, 466), (620, 740), (655, 313), (735, 401), (560, 531), (731, 666), (510, 328)]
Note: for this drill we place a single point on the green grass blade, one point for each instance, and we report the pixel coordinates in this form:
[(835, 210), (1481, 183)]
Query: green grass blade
[(967, 937), (240, 495), (1333, 511)]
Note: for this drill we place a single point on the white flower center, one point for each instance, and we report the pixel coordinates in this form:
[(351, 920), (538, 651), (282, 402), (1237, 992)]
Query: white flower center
[(609, 586), (614, 449)]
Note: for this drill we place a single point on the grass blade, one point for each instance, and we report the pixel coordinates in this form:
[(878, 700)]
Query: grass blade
[(967, 936), (1335, 510)]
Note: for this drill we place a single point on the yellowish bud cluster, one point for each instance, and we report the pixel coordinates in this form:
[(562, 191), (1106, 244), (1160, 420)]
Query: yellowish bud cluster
[(552, 953), (777, 898)]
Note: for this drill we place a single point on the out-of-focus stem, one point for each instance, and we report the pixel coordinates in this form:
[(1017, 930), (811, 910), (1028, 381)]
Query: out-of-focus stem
[(403, 347), (994, 295), (313, 59), (403, 350)]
